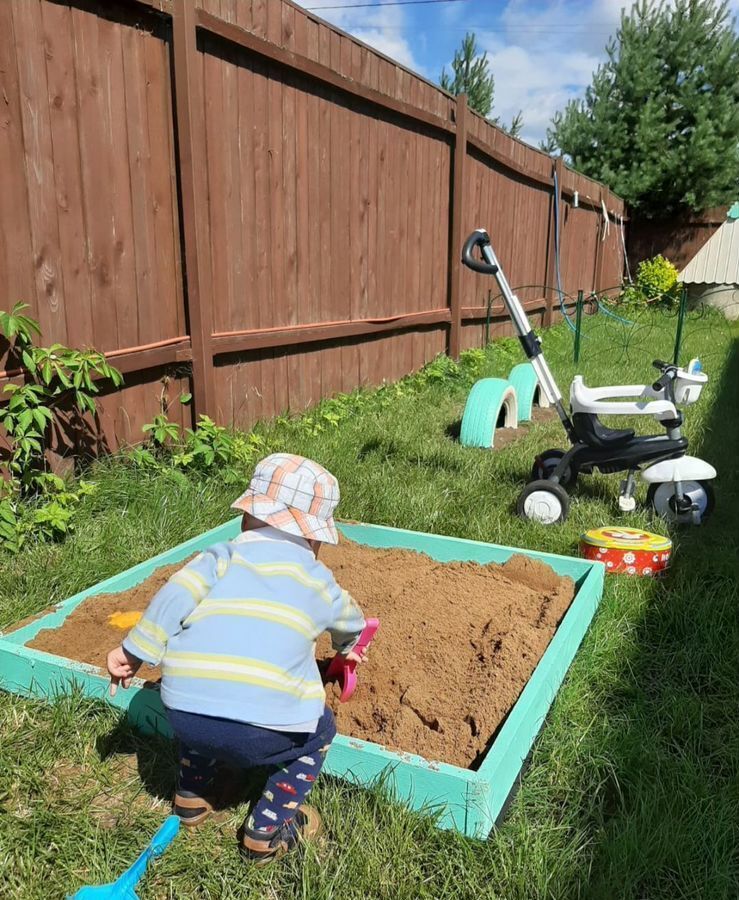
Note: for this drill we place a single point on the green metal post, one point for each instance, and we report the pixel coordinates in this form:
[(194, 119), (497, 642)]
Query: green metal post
[(680, 322), (578, 325)]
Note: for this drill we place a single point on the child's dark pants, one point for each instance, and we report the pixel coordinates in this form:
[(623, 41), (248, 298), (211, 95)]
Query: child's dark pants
[(296, 757)]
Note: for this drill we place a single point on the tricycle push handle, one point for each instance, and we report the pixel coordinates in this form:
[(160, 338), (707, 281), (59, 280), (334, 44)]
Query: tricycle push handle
[(478, 238)]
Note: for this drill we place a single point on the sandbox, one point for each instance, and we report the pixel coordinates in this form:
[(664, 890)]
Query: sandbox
[(466, 680)]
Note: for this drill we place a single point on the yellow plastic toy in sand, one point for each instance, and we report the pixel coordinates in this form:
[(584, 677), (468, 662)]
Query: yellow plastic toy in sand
[(125, 620)]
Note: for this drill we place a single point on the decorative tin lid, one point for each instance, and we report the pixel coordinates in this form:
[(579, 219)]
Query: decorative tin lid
[(617, 538)]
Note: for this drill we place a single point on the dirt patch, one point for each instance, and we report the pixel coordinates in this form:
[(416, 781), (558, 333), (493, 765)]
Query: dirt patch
[(457, 643), (539, 416)]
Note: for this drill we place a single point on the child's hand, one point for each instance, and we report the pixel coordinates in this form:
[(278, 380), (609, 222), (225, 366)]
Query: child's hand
[(122, 666), (357, 657)]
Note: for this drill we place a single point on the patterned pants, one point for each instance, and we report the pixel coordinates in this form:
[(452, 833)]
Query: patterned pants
[(296, 760)]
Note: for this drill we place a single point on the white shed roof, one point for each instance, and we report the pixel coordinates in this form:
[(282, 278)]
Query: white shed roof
[(717, 261)]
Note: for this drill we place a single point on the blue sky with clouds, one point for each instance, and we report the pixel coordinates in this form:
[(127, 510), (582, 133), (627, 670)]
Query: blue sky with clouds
[(542, 52)]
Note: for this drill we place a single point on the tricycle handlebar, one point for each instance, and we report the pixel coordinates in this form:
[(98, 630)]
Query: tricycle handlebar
[(478, 238)]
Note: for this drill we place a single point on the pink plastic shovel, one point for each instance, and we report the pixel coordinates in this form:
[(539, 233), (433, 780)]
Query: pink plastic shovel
[(345, 670)]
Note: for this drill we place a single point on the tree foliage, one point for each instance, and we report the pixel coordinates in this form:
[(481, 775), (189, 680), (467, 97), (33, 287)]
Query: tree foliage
[(514, 129), (660, 121), (471, 75)]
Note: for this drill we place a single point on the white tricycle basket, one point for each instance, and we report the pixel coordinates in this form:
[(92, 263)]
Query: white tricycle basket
[(688, 387)]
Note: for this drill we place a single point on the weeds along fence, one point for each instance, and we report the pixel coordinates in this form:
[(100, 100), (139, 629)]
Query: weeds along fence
[(237, 199)]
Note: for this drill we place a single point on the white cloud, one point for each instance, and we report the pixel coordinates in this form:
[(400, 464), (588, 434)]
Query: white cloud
[(546, 56), (536, 84), (379, 27)]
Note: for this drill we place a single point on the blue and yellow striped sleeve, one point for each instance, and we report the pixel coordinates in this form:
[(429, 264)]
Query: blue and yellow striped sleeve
[(347, 620), (174, 603)]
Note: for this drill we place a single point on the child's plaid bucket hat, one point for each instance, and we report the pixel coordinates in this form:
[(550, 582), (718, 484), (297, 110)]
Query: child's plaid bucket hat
[(294, 494)]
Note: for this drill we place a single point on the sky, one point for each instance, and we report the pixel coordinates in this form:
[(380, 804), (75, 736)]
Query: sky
[(541, 52)]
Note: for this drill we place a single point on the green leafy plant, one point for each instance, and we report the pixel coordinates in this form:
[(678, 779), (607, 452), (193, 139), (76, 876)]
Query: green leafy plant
[(14, 326), (656, 282), (33, 500), (206, 448), (162, 432), (441, 368), (472, 362)]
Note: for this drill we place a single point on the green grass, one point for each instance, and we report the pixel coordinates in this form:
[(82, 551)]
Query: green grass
[(633, 789)]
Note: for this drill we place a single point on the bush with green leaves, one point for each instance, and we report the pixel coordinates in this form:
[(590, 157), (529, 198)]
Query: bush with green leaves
[(656, 282), (34, 502), (207, 448)]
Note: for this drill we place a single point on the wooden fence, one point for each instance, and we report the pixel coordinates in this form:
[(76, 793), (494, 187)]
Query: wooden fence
[(677, 239), (234, 195)]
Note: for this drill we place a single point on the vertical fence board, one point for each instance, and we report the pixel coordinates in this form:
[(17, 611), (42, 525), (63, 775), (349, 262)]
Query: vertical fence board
[(139, 153), (39, 169), (459, 216), (16, 255), (246, 309), (115, 129), (96, 179), (58, 40), (161, 306)]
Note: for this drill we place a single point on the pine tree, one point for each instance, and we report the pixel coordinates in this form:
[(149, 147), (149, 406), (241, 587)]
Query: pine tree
[(472, 76), (660, 121), (549, 145), (516, 126)]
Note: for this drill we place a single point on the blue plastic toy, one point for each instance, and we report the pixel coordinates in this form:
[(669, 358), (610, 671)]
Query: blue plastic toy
[(123, 887)]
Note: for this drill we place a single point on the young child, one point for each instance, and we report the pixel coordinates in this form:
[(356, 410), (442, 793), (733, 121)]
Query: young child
[(235, 633)]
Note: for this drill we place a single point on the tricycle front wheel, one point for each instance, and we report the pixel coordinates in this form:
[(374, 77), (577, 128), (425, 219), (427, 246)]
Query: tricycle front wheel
[(662, 498)]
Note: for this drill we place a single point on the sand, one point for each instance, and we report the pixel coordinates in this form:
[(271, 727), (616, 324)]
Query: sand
[(457, 644)]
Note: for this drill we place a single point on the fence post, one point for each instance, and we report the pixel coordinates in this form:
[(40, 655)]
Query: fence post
[(578, 325), (599, 254), (456, 236), (550, 272), (190, 142), (680, 322)]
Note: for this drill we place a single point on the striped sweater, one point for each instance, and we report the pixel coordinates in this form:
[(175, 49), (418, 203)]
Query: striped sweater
[(235, 631)]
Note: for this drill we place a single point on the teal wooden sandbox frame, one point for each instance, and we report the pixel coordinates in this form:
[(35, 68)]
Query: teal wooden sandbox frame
[(467, 801)]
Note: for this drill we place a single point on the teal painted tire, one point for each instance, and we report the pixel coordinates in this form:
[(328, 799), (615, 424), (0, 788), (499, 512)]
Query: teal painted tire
[(528, 390), (491, 400)]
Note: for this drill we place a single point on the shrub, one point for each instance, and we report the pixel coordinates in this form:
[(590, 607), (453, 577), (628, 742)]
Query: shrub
[(656, 282), (34, 501), (205, 449)]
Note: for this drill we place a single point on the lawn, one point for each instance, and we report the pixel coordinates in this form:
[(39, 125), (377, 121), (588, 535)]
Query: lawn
[(633, 788)]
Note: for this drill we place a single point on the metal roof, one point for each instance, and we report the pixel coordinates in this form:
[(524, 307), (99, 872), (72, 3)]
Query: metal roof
[(717, 261)]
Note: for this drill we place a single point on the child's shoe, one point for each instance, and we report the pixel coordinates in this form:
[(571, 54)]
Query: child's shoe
[(261, 849), (193, 808)]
